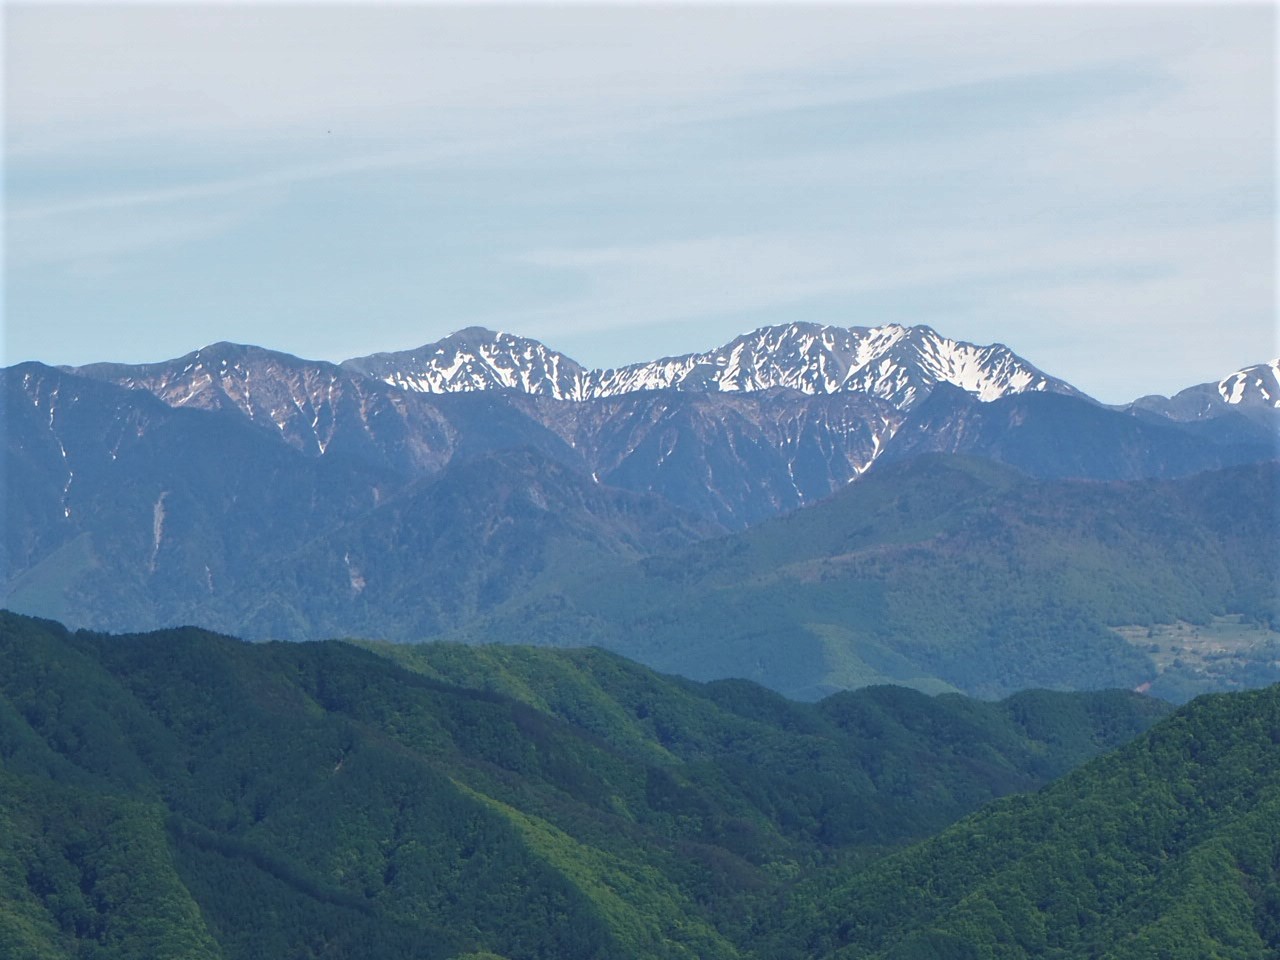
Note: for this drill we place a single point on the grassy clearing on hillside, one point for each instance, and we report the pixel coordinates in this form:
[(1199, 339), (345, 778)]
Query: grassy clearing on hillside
[(1225, 653)]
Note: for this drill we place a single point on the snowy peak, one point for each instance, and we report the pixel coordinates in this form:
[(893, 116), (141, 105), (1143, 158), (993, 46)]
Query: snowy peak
[(219, 376), (894, 363), (905, 369), (1256, 386), (807, 357), (478, 359), (1253, 391), (298, 399)]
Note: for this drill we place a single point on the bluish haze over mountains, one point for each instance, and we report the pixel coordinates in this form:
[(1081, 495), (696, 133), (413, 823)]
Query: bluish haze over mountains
[(627, 633), (488, 487)]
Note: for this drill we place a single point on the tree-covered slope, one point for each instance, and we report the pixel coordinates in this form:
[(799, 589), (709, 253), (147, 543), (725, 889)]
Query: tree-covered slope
[(451, 547), (1168, 848), (941, 573), (183, 794)]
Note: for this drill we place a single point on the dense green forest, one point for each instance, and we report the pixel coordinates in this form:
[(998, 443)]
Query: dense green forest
[(183, 794), (946, 573), (1167, 849)]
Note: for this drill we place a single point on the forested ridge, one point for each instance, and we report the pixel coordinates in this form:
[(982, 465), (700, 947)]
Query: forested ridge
[(1167, 848), (184, 794), (943, 573)]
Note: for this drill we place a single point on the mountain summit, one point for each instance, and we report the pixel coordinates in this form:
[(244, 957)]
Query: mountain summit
[(1253, 391), (894, 363), (479, 359)]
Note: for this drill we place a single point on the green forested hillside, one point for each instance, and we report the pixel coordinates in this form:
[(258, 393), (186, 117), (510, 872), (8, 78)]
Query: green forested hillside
[(1167, 849), (181, 794), (944, 573)]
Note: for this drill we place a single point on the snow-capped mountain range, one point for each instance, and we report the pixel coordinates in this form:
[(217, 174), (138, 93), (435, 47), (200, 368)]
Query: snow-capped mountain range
[(195, 484), (780, 416), (885, 372), (894, 363)]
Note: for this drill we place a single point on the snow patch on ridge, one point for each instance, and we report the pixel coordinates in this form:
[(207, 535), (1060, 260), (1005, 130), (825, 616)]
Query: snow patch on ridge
[(1258, 384), (157, 530), (895, 363)]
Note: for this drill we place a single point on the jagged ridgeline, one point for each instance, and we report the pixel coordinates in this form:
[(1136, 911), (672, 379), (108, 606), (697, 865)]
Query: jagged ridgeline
[(182, 794)]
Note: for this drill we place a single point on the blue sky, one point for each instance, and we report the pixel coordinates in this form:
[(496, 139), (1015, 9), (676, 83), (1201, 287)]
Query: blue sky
[(1093, 185)]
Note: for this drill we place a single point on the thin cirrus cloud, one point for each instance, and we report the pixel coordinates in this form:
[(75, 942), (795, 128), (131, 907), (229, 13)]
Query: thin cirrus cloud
[(596, 172), (720, 274)]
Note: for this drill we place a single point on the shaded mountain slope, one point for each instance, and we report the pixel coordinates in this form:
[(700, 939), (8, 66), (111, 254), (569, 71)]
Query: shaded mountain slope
[(122, 511), (1054, 436), (455, 546), (735, 458)]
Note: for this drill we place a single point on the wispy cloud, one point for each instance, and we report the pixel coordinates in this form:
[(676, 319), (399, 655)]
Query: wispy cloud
[(601, 168), (1197, 293), (116, 73)]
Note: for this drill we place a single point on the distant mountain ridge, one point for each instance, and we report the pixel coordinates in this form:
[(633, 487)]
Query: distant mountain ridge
[(252, 491), (1253, 391), (775, 419), (479, 359), (894, 363), (897, 364)]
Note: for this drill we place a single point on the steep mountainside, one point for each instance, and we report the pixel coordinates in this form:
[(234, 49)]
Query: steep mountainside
[(123, 512), (121, 509), (181, 794), (774, 420), (323, 410), (735, 458), (452, 547), (248, 490), (1167, 848), (945, 573)]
